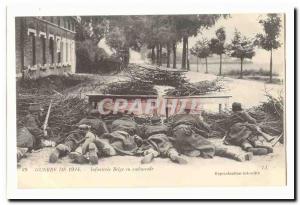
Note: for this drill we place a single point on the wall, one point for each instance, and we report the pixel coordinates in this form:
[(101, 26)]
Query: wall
[(60, 30)]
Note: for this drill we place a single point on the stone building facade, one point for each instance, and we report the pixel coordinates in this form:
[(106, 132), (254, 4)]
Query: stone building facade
[(45, 46)]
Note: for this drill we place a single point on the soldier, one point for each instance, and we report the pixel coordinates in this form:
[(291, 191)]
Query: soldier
[(82, 139), (157, 144), (244, 132), (190, 133), (124, 137), (30, 136)]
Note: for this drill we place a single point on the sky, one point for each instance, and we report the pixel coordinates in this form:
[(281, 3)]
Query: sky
[(248, 25)]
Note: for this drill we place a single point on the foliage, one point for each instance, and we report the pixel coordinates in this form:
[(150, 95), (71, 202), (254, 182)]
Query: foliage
[(251, 72), (201, 49), (199, 88), (274, 106), (92, 59), (123, 33), (269, 40), (91, 28), (241, 47), (132, 32), (217, 45)]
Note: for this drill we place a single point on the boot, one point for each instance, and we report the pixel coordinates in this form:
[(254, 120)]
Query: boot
[(54, 156), (248, 156), (93, 157), (59, 150), (178, 159), (244, 157), (258, 151), (194, 153), (147, 158), (106, 148), (78, 158), (269, 149)]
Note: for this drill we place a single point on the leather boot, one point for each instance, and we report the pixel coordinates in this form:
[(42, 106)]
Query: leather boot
[(93, 157), (178, 159), (54, 156), (59, 150), (147, 158), (78, 158), (258, 151)]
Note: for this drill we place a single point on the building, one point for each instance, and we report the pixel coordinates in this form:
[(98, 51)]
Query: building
[(45, 46)]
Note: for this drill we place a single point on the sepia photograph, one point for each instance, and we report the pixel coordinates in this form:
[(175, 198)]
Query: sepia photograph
[(166, 100)]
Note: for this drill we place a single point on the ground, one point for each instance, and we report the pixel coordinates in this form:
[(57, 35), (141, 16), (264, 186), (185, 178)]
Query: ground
[(41, 157), (248, 92)]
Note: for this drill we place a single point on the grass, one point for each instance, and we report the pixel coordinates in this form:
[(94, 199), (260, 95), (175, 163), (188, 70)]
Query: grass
[(246, 72)]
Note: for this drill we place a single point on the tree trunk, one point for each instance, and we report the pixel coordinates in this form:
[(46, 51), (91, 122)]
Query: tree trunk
[(168, 55), (174, 55), (271, 68), (160, 55), (183, 62), (127, 56), (157, 54), (153, 55), (241, 74), (197, 64), (220, 71), (206, 71), (187, 54)]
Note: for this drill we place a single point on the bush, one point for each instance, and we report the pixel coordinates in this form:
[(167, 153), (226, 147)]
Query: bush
[(246, 72), (92, 59)]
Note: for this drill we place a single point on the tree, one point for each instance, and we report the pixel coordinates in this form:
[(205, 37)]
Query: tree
[(217, 45), (91, 28), (270, 39), (241, 47), (191, 25), (123, 33), (159, 33), (90, 57), (201, 50)]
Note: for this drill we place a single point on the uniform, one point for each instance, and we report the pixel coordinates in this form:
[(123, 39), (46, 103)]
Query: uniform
[(124, 136), (157, 144), (190, 138), (81, 140), (245, 133)]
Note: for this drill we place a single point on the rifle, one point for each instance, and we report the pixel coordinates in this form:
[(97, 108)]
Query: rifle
[(45, 125), (255, 127), (277, 140)]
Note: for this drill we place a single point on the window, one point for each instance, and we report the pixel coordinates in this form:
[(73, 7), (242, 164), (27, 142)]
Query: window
[(69, 24), (71, 52), (43, 40), (33, 55), (58, 21), (51, 49), (58, 45), (62, 51), (67, 52)]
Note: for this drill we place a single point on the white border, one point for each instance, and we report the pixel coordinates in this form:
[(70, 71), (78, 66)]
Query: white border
[(151, 7)]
